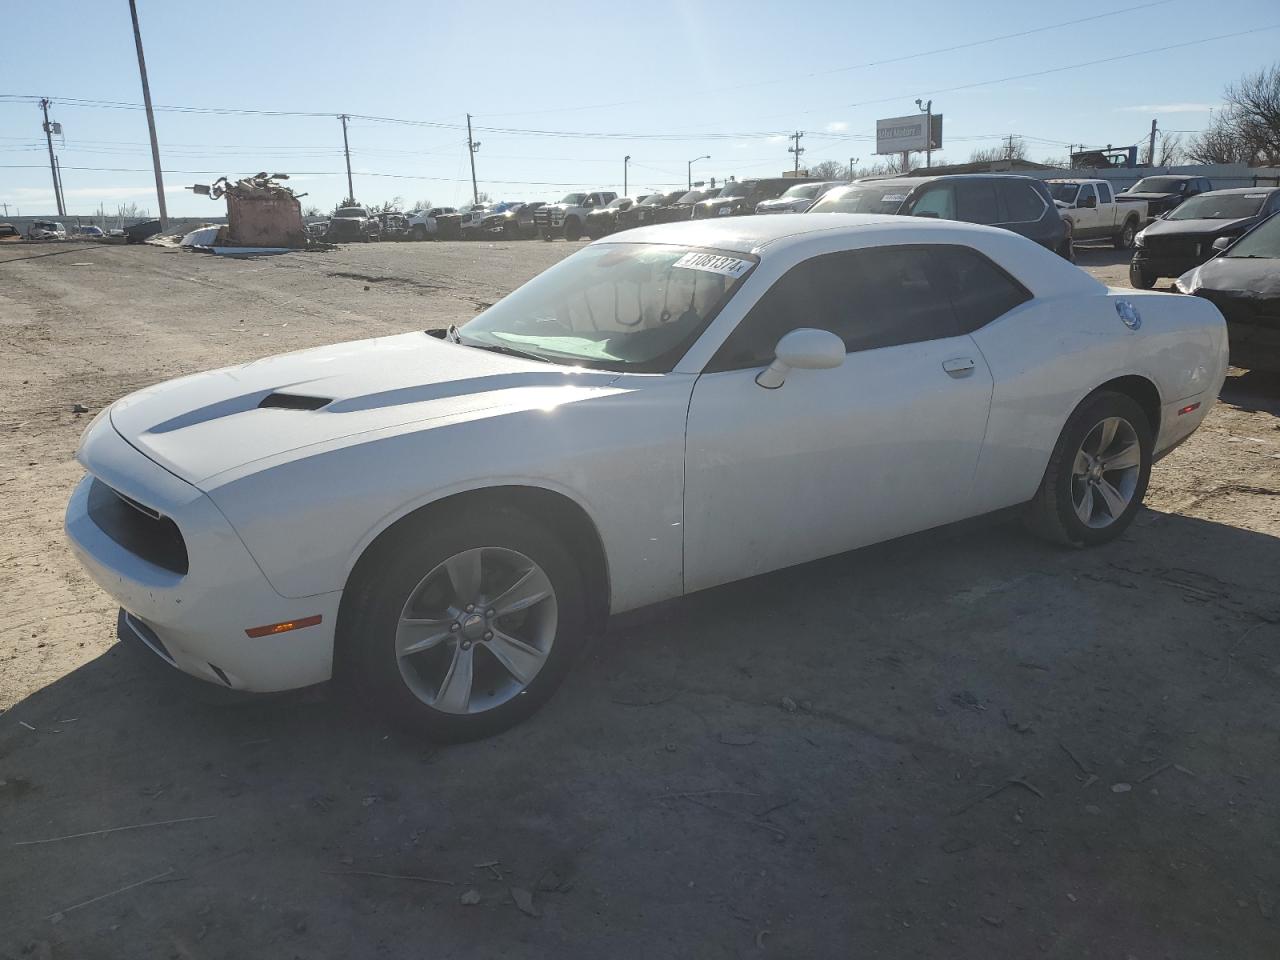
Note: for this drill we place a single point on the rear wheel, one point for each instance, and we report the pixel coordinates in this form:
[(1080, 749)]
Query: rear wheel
[(466, 625), (1124, 239), (1139, 278), (1097, 474), (1067, 248), (573, 229), (419, 232)]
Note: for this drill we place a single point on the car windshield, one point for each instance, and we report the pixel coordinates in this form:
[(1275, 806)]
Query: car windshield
[(863, 198), (618, 306), (1065, 192), (1262, 242), (622, 202), (573, 199), (738, 189), (1220, 206), (1159, 185), (351, 212), (802, 191), (693, 196), (656, 200)]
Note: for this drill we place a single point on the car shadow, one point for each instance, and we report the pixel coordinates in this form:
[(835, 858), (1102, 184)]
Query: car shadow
[(1257, 391), (1008, 721)]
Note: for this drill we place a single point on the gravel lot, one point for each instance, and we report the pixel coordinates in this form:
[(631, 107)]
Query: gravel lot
[(962, 744)]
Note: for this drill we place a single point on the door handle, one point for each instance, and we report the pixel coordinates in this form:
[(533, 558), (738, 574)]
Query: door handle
[(958, 367)]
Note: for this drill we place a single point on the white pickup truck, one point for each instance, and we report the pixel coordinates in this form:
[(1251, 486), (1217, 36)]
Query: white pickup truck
[(1092, 211), (568, 218)]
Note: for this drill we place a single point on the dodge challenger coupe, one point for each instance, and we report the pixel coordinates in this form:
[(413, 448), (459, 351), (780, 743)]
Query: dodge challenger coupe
[(440, 517)]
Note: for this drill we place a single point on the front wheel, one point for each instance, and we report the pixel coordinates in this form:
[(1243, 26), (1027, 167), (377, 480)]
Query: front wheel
[(419, 232), (462, 626), (572, 229), (1139, 278), (1097, 474)]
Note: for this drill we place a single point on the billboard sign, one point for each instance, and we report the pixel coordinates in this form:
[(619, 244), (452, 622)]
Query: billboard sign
[(900, 134)]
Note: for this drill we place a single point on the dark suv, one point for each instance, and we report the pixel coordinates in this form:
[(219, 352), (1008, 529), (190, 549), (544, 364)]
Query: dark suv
[(1020, 204), (738, 197)]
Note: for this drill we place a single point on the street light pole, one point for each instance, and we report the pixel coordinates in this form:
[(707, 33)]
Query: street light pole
[(927, 110), (625, 160), (852, 161), (690, 167), (151, 116)]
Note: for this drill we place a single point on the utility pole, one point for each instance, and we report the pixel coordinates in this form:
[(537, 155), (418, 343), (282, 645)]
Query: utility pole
[(797, 149), (689, 167), (927, 110), (472, 147), (151, 116), (62, 197), (1151, 147), (1008, 153), (625, 160), (346, 149), (53, 166)]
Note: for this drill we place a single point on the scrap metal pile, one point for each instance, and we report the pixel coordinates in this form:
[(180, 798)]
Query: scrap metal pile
[(262, 213)]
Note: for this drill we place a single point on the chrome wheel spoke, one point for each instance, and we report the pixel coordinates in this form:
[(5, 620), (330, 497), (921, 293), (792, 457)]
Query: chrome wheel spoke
[(521, 660), (531, 588), (1082, 464), (455, 690), (1107, 435), (1123, 458), (414, 635), (1084, 504), (1113, 498), (464, 574)]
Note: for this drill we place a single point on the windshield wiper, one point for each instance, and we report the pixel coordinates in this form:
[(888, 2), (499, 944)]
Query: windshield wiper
[(503, 349)]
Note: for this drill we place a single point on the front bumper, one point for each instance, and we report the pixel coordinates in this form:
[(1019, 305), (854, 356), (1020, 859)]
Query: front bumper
[(196, 619), (1164, 265)]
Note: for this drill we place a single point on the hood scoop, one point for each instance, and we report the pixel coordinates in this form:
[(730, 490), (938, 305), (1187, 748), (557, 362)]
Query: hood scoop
[(293, 401)]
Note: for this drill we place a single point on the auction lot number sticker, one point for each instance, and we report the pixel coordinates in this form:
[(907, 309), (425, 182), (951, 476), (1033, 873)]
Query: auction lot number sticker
[(714, 263)]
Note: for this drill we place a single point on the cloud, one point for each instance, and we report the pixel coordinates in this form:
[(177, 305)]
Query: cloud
[(1168, 108), (836, 126), (777, 138)]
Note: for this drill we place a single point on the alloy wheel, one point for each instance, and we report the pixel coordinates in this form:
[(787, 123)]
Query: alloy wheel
[(1104, 475), (476, 630)]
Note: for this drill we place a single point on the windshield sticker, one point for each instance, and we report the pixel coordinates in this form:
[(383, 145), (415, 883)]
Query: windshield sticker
[(712, 263), (893, 198), (1255, 196)]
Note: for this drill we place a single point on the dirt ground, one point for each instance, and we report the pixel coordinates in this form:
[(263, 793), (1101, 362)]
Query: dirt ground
[(963, 744)]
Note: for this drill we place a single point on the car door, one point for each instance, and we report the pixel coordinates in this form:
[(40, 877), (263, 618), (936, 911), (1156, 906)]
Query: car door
[(1085, 213), (884, 445)]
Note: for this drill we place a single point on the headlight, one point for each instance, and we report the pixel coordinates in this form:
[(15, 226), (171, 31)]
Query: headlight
[(93, 423), (1140, 240), (1187, 283)]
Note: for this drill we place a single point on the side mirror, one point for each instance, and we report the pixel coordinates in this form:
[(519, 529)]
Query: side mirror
[(1222, 243), (802, 349)]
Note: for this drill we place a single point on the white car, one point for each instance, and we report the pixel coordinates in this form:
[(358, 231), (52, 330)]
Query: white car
[(46, 230), (441, 518), (799, 198)]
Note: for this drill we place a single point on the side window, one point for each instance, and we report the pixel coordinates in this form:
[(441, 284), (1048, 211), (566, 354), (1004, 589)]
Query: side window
[(878, 297), (939, 201), (1021, 203), (976, 201), (1104, 193), (1086, 193), (980, 290)]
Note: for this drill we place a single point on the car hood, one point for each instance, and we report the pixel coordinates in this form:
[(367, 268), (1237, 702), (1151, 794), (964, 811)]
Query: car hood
[(784, 202), (200, 426), (1146, 196), (1199, 228), (1245, 278)]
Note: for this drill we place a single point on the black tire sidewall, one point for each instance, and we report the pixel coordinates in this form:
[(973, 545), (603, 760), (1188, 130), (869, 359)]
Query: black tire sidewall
[(1086, 417), (1139, 278), (399, 563)]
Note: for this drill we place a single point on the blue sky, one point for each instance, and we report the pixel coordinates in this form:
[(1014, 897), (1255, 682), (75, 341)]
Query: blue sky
[(675, 79)]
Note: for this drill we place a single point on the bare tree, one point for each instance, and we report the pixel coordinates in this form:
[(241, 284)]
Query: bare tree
[(420, 206), (131, 211), (1169, 153), (390, 206), (311, 211), (1010, 148), (1247, 130), (830, 170), (483, 197)]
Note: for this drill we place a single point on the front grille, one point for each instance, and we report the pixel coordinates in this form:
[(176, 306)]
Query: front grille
[(1175, 247), (138, 528)]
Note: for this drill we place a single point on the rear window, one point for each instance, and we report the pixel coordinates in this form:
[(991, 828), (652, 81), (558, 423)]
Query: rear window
[(1021, 202), (863, 198)]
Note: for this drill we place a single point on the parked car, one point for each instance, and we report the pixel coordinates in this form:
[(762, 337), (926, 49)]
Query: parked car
[(1092, 212), (739, 197), (682, 207), (46, 230), (317, 229), (1164, 193), (1184, 238), (440, 518), (798, 198), (91, 232), (394, 226), (426, 223), (473, 215), (353, 225), (511, 220), (9, 233), (647, 211), (1243, 281), (1022, 205), (568, 217), (140, 232), (602, 222)]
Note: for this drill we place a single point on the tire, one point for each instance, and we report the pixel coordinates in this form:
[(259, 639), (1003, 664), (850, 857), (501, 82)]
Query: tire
[(510, 231), (1057, 510), (573, 229), (390, 582), (1139, 278), (1067, 248), (1124, 239), (418, 233)]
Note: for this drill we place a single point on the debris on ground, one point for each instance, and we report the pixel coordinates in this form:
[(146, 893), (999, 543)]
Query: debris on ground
[(470, 897), (524, 900)]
